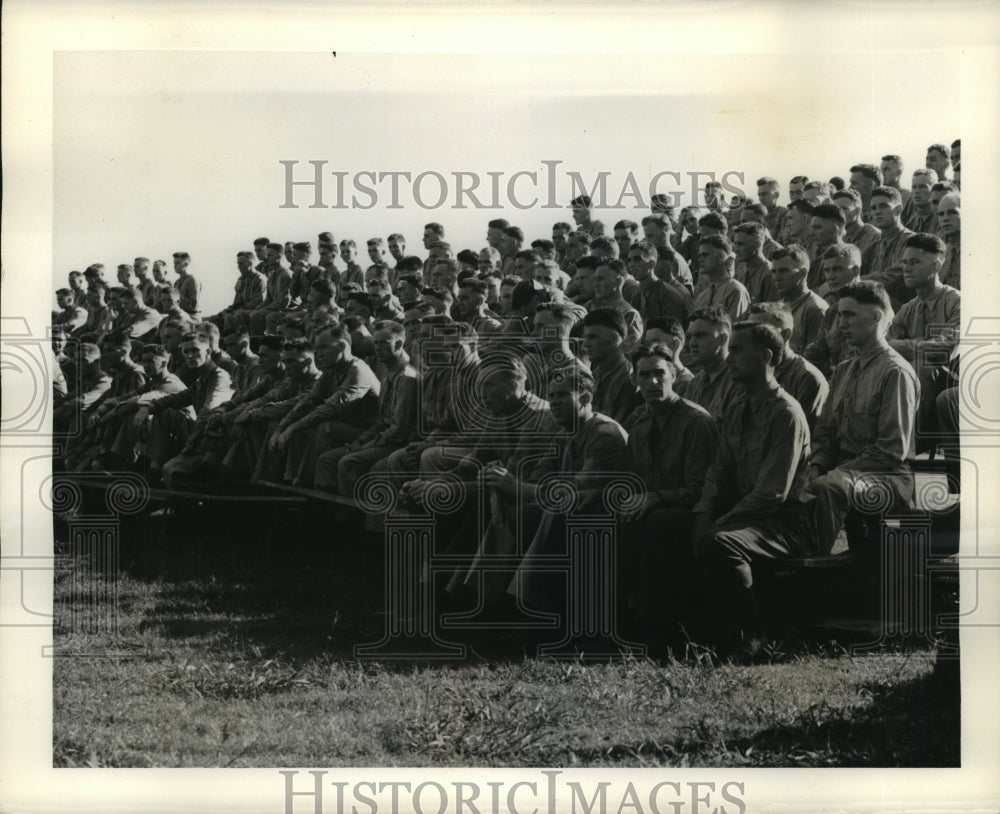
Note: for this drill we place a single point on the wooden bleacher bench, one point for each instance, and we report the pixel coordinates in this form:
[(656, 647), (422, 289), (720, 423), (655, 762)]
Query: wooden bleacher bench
[(308, 494)]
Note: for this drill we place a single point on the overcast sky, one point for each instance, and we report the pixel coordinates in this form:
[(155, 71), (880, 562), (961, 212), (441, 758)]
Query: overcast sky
[(163, 151)]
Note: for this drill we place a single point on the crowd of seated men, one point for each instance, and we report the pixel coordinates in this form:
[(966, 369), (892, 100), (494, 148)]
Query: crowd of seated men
[(755, 365)]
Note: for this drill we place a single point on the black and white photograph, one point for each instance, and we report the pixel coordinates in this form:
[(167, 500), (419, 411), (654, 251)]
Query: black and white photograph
[(544, 407)]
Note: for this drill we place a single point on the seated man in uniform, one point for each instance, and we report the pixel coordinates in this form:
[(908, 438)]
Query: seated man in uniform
[(671, 444), (342, 404), (254, 421), (716, 285), (751, 506), (866, 432), (708, 343), (790, 266), (172, 418), (797, 377), (841, 266), (925, 332), (339, 469), (614, 395)]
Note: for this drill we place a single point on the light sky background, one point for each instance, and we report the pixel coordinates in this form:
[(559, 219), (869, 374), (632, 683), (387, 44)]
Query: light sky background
[(147, 127), (157, 152)]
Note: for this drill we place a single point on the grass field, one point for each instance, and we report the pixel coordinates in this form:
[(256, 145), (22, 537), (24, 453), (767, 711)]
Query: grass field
[(234, 647)]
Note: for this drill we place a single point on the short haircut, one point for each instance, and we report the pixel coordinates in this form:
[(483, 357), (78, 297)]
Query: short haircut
[(830, 212), (613, 263), (837, 183), (629, 226), (275, 247), (376, 241), (646, 250), (893, 157), (155, 350), (926, 242), (498, 223), (796, 252), (561, 226), (527, 254), (306, 246), (756, 209), (803, 206), (514, 232), (476, 286), (606, 318), (543, 244), (867, 292), (715, 314), (562, 311), (752, 228), (846, 251), (450, 263), (339, 333), (439, 293), (656, 349), (799, 179), (588, 262), (297, 345), (348, 244), (660, 204), (512, 279), (945, 186), (396, 237), (128, 292), (324, 287), (262, 241), (389, 325), (851, 194), (411, 280), (409, 264), (580, 237), (271, 342), (436, 228), (577, 373), (869, 171), (468, 256), (669, 325), (362, 298), (604, 244), (925, 172), (99, 286), (582, 200), (182, 256), (763, 337), (767, 181), (720, 242), (778, 314), (713, 220), (117, 339), (888, 192), (939, 147), (822, 186), (61, 292), (957, 143), (198, 337)]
